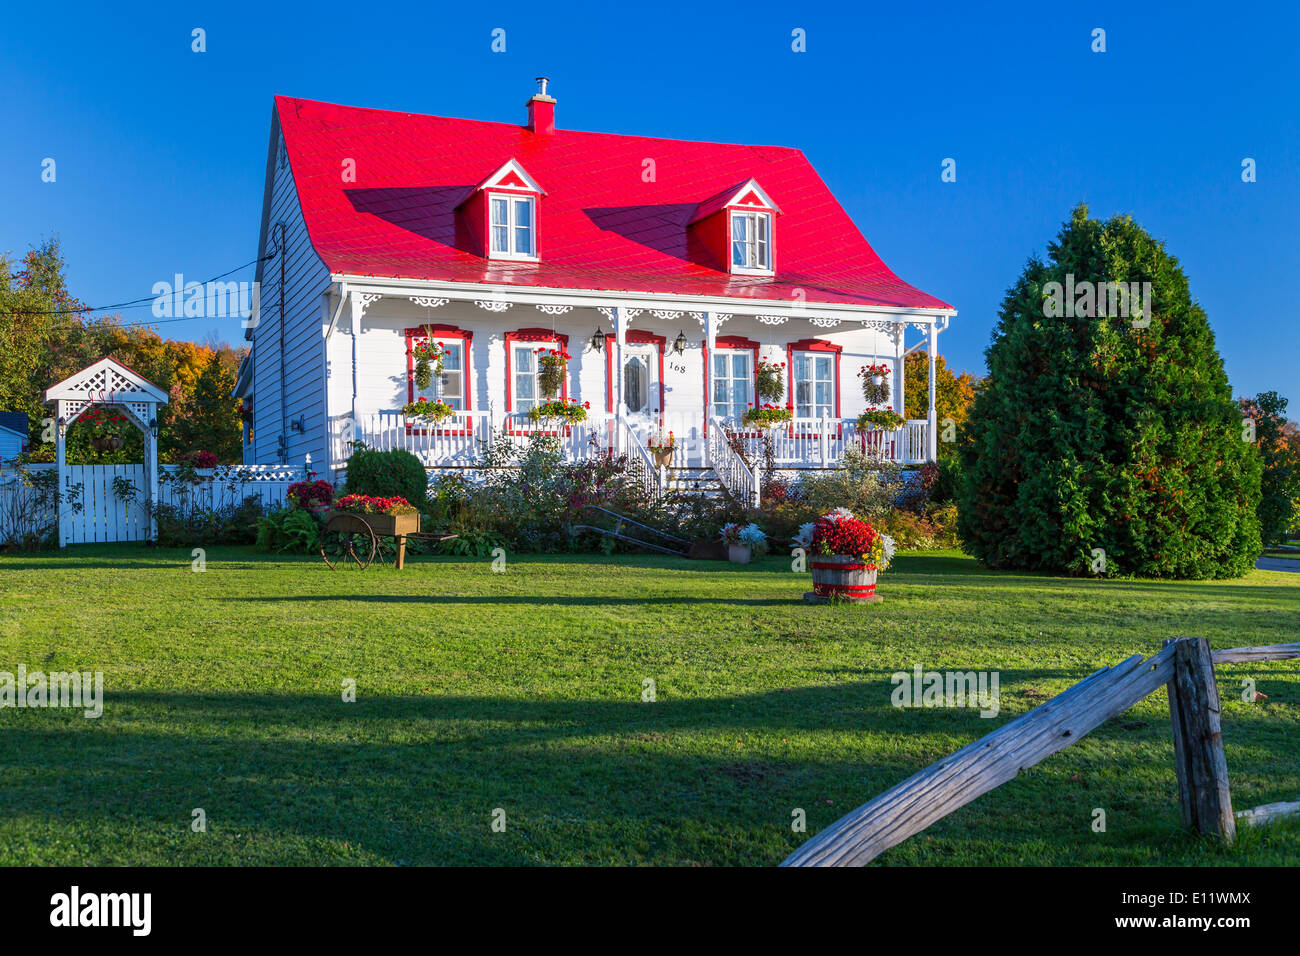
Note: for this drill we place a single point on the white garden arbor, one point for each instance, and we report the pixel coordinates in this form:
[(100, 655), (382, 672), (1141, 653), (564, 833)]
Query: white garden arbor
[(106, 383)]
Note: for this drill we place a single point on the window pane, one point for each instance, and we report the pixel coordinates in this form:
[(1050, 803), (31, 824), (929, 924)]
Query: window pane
[(524, 241), (634, 385), (452, 385), (500, 239), (524, 213), (719, 365), (824, 367), (451, 352), (499, 212), (524, 359)]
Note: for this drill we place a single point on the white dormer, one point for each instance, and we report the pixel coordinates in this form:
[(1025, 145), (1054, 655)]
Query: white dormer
[(737, 224), (510, 209)]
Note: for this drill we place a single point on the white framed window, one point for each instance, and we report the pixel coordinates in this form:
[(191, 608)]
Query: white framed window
[(513, 226), (450, 386), (751, 242), (733, 382), (814, 385), (525, 393)]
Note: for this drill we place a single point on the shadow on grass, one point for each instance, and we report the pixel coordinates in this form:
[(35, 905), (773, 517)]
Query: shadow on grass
[(414, 779)]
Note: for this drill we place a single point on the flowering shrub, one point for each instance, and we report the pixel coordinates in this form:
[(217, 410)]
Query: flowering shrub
[(198, 459), (551, 365), (430, 411), (569, 410), (766, 416), (770, 381), (840, 533), (885, 418), (312, 495), (745, 535), (876, 393), (368, 505)]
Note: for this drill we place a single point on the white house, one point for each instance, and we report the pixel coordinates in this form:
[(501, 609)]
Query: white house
[(668, 269)]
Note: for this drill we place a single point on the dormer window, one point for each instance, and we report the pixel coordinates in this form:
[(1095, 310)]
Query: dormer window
[(498, 219), (736, 230), (513, 219), (751, 241)]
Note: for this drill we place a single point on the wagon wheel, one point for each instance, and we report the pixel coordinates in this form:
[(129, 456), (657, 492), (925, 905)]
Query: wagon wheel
[(386, 549), (357, 545)]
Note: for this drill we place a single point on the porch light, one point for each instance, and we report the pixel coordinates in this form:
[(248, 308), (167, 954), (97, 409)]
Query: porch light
[(679, 344), (153, 427), (598, 340)]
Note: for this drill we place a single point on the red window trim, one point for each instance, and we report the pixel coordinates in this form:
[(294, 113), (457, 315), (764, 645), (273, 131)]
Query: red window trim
[(812, 345), (530, 335), (440, 331), (634, 337)]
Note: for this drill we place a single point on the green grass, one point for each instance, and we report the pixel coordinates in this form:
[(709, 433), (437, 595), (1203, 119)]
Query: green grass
[(523, 691)]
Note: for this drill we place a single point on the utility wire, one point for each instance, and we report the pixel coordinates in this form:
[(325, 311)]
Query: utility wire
[(140, 303)]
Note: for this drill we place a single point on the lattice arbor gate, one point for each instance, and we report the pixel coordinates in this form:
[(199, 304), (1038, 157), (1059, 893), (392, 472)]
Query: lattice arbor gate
[(106, 515)]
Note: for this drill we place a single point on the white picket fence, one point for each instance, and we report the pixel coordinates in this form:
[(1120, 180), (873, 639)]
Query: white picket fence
[(106, 503)]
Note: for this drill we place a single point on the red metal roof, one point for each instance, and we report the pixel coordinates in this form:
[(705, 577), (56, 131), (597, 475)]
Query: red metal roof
[(600, 225)]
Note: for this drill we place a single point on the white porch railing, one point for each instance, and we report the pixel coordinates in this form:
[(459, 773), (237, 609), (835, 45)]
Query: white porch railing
[(642, 465), (804, 443), (744, 484), (822, 442)]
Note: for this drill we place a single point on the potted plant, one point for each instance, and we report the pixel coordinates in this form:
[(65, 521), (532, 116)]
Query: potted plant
[(104, 428), (551, 366), (661, 447), (845, 556), (566, 410), (743, 542), (428, 362), (770, 381), (422, 408), (875, 383), (767, 416)]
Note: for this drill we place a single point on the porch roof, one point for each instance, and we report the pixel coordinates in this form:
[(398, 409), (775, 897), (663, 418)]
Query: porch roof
[(601, 226)]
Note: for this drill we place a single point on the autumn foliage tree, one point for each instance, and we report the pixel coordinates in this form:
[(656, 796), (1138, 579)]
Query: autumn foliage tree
[(1280, 486), (44, 339), (1107, 443), (953, 395)]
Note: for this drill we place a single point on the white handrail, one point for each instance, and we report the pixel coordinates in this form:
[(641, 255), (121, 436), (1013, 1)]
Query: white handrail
[(731, 469), (652, 481)]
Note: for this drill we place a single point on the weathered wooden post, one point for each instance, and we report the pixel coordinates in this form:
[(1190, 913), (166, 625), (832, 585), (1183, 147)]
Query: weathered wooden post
[(1199, 762)]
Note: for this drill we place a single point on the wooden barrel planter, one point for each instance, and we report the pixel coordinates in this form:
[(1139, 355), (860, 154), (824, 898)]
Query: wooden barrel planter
[(841, 577)]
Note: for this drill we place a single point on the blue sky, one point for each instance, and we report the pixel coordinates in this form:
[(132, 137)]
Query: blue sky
[(160, 151)]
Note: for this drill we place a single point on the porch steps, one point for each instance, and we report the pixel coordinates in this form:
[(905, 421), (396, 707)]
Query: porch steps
[(695, 481)]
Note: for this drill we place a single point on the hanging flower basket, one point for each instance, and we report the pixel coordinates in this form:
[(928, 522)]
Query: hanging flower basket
[(770, 381), (428, 362), (885, 419), (875, 383), (552, 364)]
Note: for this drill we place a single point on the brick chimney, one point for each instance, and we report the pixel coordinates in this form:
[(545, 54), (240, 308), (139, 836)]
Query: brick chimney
[(541, 109)]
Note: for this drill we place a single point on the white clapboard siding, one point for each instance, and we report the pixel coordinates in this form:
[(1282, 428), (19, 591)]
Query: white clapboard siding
[(305, 280)]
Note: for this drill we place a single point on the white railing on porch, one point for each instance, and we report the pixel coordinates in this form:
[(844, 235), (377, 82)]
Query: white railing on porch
[(822, 442), (627, 441), (744, 483), (804, 443)]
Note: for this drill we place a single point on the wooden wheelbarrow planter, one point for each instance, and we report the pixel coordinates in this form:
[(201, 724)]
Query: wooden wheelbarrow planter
[(345, 531)]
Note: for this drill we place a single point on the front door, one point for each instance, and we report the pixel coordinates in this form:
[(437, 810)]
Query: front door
[(641, 387)]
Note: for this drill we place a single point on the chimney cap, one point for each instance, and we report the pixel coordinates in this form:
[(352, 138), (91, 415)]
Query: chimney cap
[(541, 93)]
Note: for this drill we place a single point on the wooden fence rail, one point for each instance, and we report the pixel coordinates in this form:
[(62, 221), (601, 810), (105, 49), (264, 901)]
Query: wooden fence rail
[(1185, 665)]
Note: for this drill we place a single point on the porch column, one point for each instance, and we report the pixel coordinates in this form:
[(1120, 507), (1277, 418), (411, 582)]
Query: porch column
[(931, 428), (710, 341), (619, 315), (900, 361)]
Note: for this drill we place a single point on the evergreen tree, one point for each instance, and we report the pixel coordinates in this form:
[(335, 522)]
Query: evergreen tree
[(1105, 443)]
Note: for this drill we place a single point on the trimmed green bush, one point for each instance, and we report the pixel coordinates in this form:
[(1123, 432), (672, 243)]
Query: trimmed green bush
[(384, 474), (1102, 432)]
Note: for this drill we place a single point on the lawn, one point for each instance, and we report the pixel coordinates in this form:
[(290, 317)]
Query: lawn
[(523, 691)]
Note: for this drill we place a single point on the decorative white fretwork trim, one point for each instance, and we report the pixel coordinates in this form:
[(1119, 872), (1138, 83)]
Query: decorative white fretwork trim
[(772, 319), (361, 301), (825, 323), (428, 302), (554, 309), (493, 305)]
